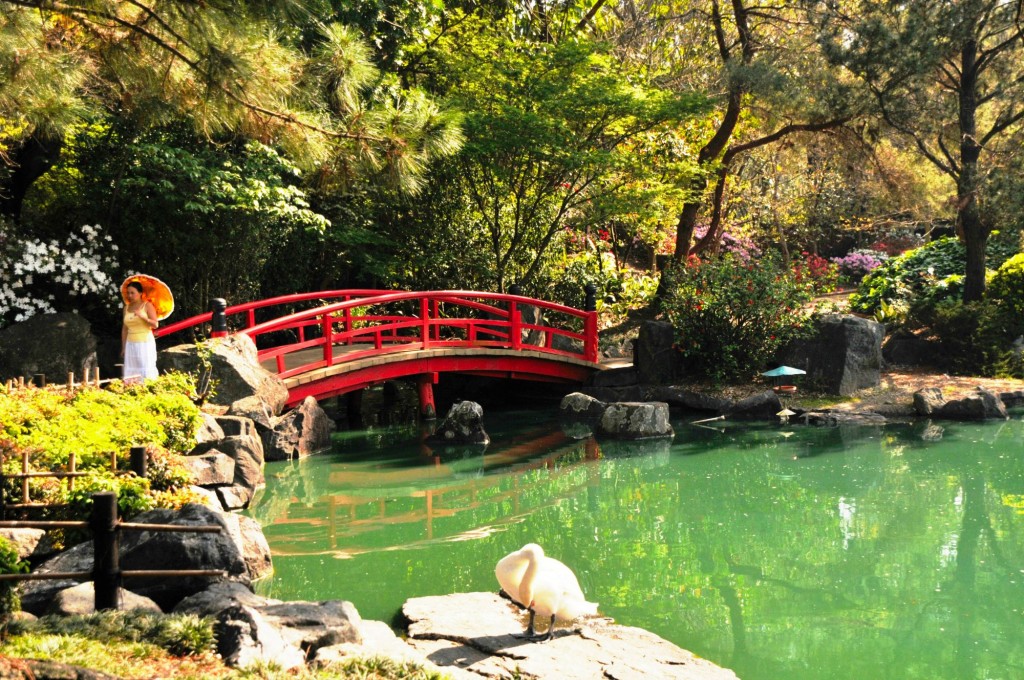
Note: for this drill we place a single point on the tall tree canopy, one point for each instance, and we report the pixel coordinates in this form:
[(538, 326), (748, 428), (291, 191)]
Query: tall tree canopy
[(227, 67), (558, 136), (760, 61), (948, 74)]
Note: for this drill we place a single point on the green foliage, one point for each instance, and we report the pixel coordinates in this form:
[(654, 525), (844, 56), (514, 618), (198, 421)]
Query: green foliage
[(179, 634), (973, 339), (1006, 290), (95, 424), (10, 563), (559, 138), (164, 191), (272, 71), (731, 315), (98, 425), (132, 494), (933, 271)]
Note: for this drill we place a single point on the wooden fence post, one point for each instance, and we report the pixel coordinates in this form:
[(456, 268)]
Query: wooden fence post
[(139, 462), (106, 568)]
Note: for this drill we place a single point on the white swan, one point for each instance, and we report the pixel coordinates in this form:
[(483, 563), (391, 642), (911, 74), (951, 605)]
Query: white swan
[(544, 586)]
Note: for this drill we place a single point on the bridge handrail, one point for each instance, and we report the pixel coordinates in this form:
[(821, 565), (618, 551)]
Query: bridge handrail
[(426, 322), (251, 307)]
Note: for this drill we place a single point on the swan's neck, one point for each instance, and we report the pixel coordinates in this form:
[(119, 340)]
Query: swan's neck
[(526, 585)]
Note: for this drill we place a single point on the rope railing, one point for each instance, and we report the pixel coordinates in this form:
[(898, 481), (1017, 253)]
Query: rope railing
[(106, 573)]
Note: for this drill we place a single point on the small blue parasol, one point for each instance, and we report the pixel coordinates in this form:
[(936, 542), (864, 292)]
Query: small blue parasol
[(783, 371), (779, 375)]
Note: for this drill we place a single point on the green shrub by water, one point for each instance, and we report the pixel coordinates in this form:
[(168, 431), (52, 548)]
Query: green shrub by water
[(926, 275), (1006, 289), (730, 315), (98, 426)]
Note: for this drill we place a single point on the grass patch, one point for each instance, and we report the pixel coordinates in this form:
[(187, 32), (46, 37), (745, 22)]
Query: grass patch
[(136, 645)]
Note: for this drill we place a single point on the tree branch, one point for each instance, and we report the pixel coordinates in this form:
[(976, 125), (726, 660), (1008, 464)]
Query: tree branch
[(591, 13), (84, 15)]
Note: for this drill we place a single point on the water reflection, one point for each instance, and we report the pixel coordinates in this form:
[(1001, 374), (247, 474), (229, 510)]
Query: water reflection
[(777, 550)]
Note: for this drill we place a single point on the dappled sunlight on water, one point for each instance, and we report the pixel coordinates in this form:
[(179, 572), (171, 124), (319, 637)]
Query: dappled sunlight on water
[(778, 551)]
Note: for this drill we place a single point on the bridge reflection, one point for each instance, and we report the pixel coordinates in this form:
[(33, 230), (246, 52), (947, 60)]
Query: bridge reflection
[(345, 509)]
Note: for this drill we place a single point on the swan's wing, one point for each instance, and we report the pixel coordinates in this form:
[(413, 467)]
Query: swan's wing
[(510, 571), (563, 577)]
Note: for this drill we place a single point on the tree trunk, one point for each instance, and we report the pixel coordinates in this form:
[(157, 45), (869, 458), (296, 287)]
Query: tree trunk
[(972, 229), (29, 161)]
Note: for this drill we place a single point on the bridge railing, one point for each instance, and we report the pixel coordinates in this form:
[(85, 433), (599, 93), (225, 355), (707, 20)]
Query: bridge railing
[(242, 316), (370, 325)]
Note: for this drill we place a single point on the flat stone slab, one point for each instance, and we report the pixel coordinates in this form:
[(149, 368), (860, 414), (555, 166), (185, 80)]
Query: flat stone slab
[(473, 636)]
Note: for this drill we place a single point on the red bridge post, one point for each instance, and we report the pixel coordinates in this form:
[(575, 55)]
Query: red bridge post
[(590, 323), (425, 383)]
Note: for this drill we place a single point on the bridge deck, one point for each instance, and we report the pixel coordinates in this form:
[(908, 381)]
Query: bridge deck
[(301, 358)]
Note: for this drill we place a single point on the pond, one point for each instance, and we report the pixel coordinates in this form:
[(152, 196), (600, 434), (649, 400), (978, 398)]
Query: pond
[(780, 551)]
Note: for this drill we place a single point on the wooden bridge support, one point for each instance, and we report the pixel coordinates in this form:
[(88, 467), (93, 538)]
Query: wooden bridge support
[(426, 382)]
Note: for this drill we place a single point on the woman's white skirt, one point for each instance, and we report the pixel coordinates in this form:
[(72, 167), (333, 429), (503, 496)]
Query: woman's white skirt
[(139, 361)]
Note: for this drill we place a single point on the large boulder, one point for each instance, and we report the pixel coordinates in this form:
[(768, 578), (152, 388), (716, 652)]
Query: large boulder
[(253, 629), (236, 371), (579, 406), (907, 349), (843, 356), (212, 468), (244, 447), (80, 600), (981, 405), (476, 636), (928, 400), (23, 540), (636, 420), (464, 424), (51, 344), (657, 362), (625, 376), (303, 431), (36, 669), (1012, 398)]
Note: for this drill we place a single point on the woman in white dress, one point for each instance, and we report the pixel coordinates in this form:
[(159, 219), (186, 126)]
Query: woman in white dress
[(138, 346)]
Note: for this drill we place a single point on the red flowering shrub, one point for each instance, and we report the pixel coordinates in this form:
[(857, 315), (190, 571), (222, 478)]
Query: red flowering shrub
[(817, 272), (731, 316)]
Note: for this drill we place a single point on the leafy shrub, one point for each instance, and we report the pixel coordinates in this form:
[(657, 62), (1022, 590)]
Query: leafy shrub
[(897, 243), (576, 271), (96, 424), (972, 338), (132, 494), (10, 563), (179, 634), (857, 264), (904, 278), (628, 291), (1006, 289), (730, 315), (821, 275)]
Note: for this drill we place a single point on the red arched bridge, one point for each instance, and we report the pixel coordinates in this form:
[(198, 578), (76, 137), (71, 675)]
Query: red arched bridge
[(358, 338)]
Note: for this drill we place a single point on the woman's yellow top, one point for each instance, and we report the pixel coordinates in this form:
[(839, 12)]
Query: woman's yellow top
[(138, 330)]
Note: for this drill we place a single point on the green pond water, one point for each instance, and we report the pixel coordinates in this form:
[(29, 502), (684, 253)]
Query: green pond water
[(778, 551)]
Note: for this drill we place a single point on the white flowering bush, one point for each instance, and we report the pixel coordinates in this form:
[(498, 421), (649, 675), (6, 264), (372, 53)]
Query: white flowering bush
[(41, 277)]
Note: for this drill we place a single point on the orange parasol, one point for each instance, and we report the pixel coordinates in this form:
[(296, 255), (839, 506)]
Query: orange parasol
[(153, 290)]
